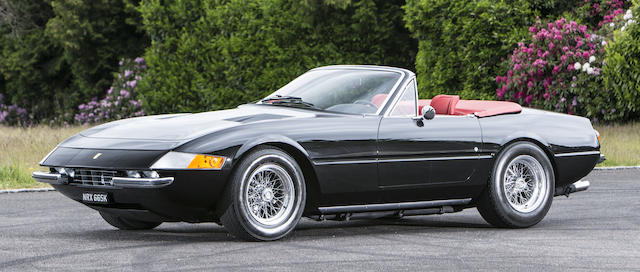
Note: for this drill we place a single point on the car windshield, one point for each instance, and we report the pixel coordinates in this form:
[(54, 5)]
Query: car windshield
[(355, 91)]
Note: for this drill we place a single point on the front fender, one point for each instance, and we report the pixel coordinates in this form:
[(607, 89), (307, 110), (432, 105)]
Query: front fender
[(265, 139)]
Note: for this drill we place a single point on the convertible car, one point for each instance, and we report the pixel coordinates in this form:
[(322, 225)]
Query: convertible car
[(336, 143)]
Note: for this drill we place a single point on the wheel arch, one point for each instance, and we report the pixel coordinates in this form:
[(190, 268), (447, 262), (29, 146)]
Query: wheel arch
[(299, 154), (538, 142)]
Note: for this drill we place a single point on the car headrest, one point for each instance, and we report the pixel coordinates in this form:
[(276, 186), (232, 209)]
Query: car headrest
[(445, 104)]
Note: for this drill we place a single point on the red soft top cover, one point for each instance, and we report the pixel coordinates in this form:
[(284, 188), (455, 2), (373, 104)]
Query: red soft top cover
[(480, 108)]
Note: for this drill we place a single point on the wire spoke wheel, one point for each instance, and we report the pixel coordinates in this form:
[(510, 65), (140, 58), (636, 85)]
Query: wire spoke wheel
[(525, 184), (269, 195)]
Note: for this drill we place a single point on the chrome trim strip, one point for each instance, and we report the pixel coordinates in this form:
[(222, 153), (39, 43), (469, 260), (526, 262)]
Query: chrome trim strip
[(393, 206), (345, 162), (142, 183), (439, 158), (584, 153), (50, 178), (481, 157)]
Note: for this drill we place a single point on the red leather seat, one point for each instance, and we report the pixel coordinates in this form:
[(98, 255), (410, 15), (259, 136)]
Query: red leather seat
[(378, 99), (445, 104)]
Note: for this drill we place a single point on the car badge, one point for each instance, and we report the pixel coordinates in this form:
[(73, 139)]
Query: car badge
[(97, 156)]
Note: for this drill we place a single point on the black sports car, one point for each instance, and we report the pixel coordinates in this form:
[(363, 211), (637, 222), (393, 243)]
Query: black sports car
[(338, 142)]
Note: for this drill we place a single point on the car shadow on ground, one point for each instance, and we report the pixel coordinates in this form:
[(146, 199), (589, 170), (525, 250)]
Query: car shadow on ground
[(306, 229)]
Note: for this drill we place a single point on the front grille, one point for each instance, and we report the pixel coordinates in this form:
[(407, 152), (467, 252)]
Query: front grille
[(93, 177)]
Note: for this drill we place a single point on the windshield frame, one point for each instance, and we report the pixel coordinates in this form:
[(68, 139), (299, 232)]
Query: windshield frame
[(404, 74)]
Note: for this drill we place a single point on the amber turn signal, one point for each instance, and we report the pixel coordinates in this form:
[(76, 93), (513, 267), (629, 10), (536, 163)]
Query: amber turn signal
[(206, 162), (597, 135)]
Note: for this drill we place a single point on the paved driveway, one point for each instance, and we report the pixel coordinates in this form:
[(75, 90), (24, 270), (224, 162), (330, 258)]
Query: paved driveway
[(598, 229)]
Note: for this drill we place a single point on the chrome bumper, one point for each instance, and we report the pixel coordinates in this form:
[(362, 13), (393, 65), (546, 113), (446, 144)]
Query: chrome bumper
[(118, 182), (50, 178)]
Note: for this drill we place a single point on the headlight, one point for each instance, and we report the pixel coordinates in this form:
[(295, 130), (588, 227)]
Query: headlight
[(180, 160)]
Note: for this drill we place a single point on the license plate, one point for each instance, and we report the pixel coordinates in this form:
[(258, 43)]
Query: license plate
[(95, 197)]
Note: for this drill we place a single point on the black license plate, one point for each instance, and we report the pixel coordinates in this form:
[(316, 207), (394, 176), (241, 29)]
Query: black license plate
[(95, 197)]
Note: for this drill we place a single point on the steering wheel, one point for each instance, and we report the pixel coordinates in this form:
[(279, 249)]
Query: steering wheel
[(366, 103)]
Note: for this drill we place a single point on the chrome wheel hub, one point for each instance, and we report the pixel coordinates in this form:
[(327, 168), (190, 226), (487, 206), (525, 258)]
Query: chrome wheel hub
[(525, 184), (269, 194)]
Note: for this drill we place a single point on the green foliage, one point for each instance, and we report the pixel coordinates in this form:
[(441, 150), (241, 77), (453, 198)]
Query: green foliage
[(56, 54), (462, 43), (211, 54), (32, 71), (95, 34), (622, 69)]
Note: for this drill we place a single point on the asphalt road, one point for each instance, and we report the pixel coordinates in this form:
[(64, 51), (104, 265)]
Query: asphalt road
[(593, 230)]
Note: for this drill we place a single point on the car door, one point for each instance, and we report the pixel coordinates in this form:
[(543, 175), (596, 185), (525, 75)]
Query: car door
[(414, 152)]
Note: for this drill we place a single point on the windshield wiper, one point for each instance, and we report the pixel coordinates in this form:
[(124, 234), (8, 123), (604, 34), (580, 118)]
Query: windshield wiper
[(287, 100)]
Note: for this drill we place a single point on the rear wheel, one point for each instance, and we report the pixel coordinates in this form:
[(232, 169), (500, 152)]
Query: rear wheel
[(265, 197), (520, 190), (127, 223)]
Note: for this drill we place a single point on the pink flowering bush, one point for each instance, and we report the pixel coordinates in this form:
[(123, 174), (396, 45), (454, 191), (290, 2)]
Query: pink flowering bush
[(12, 115), (599, 13), (120, 101), (559, 70)]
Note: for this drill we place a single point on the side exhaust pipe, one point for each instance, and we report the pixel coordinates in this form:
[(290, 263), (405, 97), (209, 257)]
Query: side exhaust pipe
[(577, 186)]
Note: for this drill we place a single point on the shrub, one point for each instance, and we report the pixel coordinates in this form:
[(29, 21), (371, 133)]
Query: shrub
[(56, 54), (208, 54), (12, 114), (559, 70), (462, 43), (622, 69), (119, 101), (598, 13)]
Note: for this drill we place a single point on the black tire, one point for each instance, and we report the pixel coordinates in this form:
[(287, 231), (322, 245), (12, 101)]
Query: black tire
[(495, 205), (244, 200), (128, 223)]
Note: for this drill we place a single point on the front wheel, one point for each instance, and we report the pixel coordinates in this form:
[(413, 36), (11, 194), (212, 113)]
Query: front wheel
[(265, 197), (520, 190)]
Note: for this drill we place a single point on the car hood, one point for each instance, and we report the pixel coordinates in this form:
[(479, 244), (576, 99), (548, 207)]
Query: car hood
[(171, 130)]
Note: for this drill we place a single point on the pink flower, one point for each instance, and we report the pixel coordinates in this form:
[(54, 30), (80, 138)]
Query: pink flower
[(528, 99), (585, 54), (530, 85), (533, 29), (583, 28), (546, 96), (551, 45)]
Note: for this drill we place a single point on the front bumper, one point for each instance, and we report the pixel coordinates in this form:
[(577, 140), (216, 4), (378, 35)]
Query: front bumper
[(118, 182), (189, 196)]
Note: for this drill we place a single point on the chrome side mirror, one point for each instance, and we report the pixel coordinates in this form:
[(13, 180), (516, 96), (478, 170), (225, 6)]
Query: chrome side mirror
[(428, 112)]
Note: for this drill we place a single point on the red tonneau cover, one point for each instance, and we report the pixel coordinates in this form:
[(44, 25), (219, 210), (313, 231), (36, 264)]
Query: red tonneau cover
[(480, 108)]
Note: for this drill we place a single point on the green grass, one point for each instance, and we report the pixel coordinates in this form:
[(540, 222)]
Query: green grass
[(620, 144), (22, 148)]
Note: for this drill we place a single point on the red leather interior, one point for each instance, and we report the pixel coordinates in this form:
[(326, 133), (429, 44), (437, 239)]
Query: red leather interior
[(422, 103), (378, 99), (445, 104), (482, 108), (452, 105)]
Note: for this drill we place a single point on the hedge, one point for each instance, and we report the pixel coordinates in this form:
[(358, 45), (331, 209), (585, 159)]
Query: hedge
[(208, 55)]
